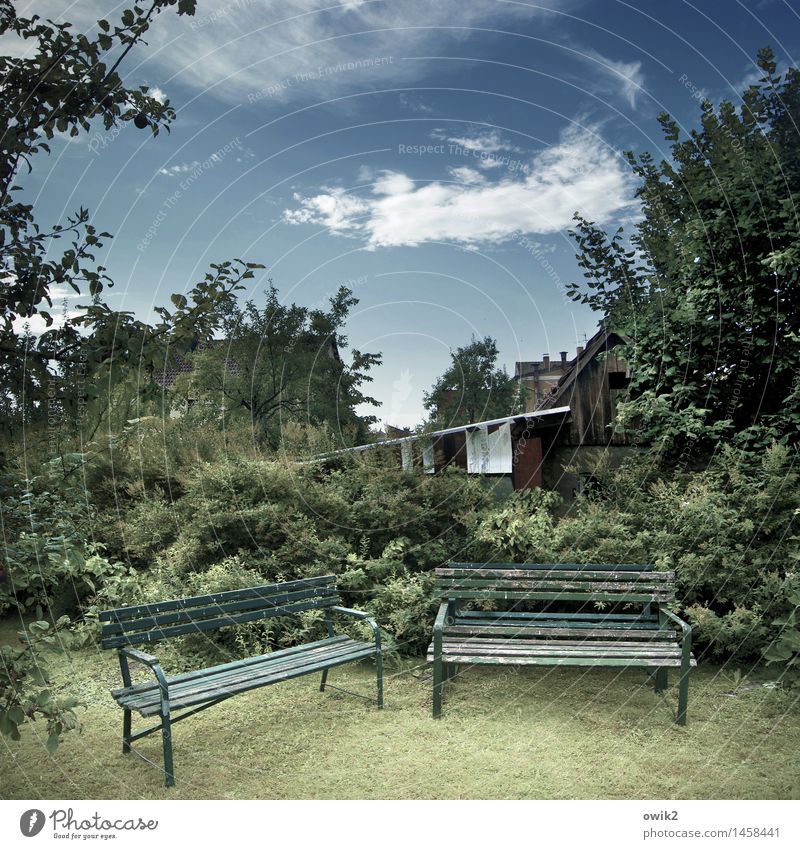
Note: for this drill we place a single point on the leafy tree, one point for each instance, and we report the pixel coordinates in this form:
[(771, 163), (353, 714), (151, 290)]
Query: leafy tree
[(69, 83), (707, 286), (282, 363), (25, 691), (473, 388)]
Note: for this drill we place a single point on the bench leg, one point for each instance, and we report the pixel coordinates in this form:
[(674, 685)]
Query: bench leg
[(438, 686), (379, 672), (126, 732), (324, 679), (683, 696), (166, 735), (662, 679)]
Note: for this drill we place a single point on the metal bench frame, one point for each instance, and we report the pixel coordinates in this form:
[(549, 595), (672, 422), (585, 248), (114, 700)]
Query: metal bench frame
[(124, 627), (598, 638)]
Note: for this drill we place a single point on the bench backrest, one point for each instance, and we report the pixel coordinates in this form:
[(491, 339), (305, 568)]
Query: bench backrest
[(554, 582), (146, 623)]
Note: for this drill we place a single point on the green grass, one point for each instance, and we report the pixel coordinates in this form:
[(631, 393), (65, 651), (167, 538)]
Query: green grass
[(547, 733)]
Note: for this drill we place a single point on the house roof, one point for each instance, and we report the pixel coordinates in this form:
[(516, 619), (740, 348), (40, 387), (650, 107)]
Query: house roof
[(603, 340)]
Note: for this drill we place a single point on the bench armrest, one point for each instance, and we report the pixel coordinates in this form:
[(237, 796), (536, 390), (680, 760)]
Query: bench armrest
[(348, 611), (441, 618), (685, 626), (139, 656), (365, 617), (126, 653), (438, 627)]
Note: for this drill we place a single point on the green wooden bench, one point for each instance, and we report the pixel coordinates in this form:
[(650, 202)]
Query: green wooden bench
[(200, 689), (549, 616)]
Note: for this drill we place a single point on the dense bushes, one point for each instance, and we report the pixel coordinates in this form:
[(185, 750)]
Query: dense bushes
[(44, 544), (240, 523), (726, 530)]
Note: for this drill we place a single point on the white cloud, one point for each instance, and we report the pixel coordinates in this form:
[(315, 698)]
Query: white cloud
[(36, 325), (466, 175), (486, 142), (624, 79), (487, 148), (158, 94), (235, 48), (580, 173), (181, 168), (755, 75), (415, 104)]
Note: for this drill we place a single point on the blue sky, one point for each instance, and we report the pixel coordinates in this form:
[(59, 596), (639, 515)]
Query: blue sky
[(429, 154)]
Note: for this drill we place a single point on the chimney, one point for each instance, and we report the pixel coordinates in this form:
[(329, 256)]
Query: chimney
[(580, 349), (563, 358), (546, 361)]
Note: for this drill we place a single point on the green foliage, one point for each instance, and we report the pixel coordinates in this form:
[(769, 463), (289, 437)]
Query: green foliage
[(63, 85), (44, 550), (707, 286), (240, 523), (473, 388), (25, 691), (279, 363), (784, 648), (521, 529), (724, 530)]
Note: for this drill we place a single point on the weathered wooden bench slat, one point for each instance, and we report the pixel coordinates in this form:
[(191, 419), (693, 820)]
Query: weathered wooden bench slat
[(198, 614), (563, 584), (573, 568), (234, 664), (216, 677), (217, 598), (596, 616), (559, 574), (535, 595), (199, 689), (556, 642), (555, 630), (549, 650), (552, 633), (549, 660), (202, 625), (251, 680)]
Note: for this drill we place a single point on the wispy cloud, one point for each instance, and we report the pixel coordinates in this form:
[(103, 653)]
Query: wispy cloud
[(487, 147), (482, 142), (580, 173), (625, 79), (179, 168), (235, 48)]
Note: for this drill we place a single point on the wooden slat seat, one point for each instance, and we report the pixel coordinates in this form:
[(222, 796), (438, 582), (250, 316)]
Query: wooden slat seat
[(199, 689), (228, 679), (525, 652), (559, 614)]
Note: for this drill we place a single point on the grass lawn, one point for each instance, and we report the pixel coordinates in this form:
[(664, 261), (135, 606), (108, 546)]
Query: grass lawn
[(547, 733)]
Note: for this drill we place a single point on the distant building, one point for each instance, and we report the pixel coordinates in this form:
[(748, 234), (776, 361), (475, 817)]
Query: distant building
[(562, 444), (539, 377), (590, 387)]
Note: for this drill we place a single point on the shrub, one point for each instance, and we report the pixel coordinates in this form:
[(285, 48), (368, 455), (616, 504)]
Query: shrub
[(25, 694), (44, 544)]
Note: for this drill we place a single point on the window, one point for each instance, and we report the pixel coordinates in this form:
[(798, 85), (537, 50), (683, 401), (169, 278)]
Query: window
[(618, 380)]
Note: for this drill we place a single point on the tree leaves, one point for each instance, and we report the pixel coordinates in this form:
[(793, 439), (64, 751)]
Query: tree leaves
[(473, 388), (706, 285), (59, 86)]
